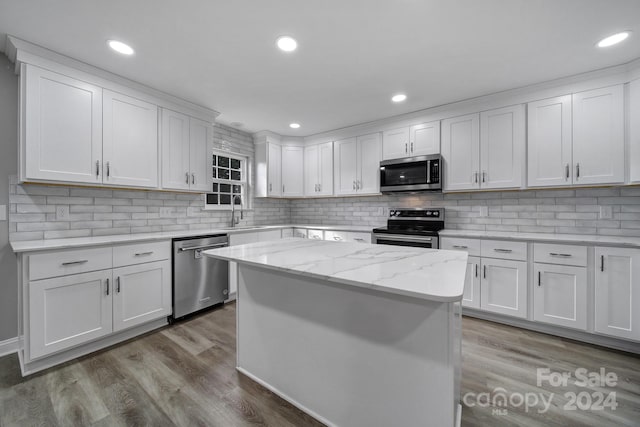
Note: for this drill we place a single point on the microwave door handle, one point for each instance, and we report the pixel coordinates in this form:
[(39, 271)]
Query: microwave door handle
[(428, 171)]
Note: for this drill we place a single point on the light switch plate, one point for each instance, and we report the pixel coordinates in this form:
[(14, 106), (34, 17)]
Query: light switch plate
[(606, 212), (3, 212)]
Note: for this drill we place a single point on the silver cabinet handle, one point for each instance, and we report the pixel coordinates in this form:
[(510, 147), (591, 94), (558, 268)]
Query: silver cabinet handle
[(283, 188), (107, 286), (504, 251), (566, 170), (270, 187), (475, 177), (118, 284), (560, 255), (142, 253), (577, 170), (476, 270), (460, 246), (319, 187), (412, 147), (539, 278), (601, 262), (357, 184), (82, 261), (406, 148), (484, 271), (97, 168), (358, 239), (337, 238), (484, 176), (187, 178), (191, 248), (354, 185), (108, 169), (193, 178)]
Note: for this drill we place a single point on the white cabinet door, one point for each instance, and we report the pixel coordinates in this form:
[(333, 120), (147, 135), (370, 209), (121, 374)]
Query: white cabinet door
[(425, 139), (634, 130), (200, 155), (274, 169), (62, 128), (598, 136), (141, 293), (368, 164), (617, 292), (549, 143), (292, 171), (471, 295), (336, 236), (175, 150), (345, 162), (461, 152), (130, 141), (503, 288), (560, 295), (325, 169), (311, 170), (502, 139), (395, 143), (68, 311)]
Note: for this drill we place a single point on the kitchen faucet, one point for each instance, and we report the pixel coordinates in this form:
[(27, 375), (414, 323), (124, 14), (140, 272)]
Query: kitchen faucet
[(235, 220)]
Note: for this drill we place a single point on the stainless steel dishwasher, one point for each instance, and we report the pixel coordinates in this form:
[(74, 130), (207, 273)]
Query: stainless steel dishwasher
[(198, 281)]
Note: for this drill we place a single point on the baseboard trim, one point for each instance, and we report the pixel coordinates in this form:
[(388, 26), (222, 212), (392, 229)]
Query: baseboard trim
[(12, 345)]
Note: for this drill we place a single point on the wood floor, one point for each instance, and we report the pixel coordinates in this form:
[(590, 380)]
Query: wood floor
[(184, 375)]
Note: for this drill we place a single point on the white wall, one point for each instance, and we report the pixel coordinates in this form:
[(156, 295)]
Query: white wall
[(8, 167)]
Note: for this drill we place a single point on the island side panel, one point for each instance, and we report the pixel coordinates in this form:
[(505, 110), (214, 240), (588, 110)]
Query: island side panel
[(347, 355)]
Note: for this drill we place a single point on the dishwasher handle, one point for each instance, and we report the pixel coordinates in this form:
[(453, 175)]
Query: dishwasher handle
[(193, 248)]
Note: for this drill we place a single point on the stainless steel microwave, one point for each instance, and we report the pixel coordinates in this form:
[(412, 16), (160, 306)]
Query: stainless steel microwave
[(412, 174)]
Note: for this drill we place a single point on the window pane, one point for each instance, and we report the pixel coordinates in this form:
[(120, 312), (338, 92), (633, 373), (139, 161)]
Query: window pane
[(214, 160), (223, 173), (215, 188), (237, 189), (237, 201), (214, 172), (235, 175), (235, 164), (212, 199), (225, 199), (223, 161), (225, 188)]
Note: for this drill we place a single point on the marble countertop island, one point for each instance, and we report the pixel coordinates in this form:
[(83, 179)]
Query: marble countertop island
[(436, 275)]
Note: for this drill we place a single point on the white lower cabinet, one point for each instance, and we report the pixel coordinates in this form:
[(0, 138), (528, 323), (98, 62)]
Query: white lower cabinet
[(69, 310), (617, 292), (560, 295), (141, 293), (504, 287), (471, 295)]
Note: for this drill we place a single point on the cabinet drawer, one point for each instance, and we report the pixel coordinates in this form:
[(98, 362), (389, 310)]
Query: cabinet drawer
[(504, 249), (560, 254), (315, 234), (63, 263), (337, 236), (300, 232), (140, 253), (461, 244)]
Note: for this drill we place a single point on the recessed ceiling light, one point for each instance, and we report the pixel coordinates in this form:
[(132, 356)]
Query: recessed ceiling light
[(294, 125), (287, 44), (120, 47), (399, 97), (614, 39)]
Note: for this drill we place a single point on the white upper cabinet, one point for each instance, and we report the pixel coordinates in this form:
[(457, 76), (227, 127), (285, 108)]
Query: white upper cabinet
[(368, 164), (634, 130), (274, 172), (292, 171), (617, 292), (62, 128), (417, 140), (395, 143), (598, 136), (461, 152), (345, 163), (318, 169), (502, 141), (549, 142), (187, 145), (130, 141)]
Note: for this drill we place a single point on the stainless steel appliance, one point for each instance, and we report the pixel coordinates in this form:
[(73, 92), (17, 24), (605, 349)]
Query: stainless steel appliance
[(423, 173), (416, 227), (198, 281)]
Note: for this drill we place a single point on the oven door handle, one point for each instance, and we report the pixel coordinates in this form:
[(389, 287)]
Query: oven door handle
[(401, 238)]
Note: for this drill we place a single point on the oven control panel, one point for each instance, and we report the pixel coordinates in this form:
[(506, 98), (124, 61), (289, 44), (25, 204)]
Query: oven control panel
[(425, 214)]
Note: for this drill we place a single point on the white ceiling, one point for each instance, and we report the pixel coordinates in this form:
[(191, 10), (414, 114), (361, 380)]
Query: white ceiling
[(352, 55)]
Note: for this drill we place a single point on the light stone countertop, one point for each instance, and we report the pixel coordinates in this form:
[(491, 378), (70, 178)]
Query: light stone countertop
[(80, 242), (430, 274), (583, 239)]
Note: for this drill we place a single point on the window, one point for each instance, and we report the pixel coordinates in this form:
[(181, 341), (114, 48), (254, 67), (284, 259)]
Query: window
[(229, 180)]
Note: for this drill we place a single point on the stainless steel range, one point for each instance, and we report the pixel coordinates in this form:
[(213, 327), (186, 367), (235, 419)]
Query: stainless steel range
[(416, 227)]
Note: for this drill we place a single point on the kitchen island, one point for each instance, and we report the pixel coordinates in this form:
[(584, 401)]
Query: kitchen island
[(353, 334)]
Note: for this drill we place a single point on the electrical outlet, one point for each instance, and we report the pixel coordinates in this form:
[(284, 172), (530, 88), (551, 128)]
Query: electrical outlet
[(606, 212), (62, 212), (484, 211)]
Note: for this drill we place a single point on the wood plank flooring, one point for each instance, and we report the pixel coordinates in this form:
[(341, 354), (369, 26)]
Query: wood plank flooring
[(184, 375)]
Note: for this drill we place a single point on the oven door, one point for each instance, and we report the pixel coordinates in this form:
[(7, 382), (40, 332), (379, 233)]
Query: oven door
[(411, 174), (404, 240)]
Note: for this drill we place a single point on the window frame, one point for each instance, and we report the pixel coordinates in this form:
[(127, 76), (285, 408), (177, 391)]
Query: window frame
[(244, 182)]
